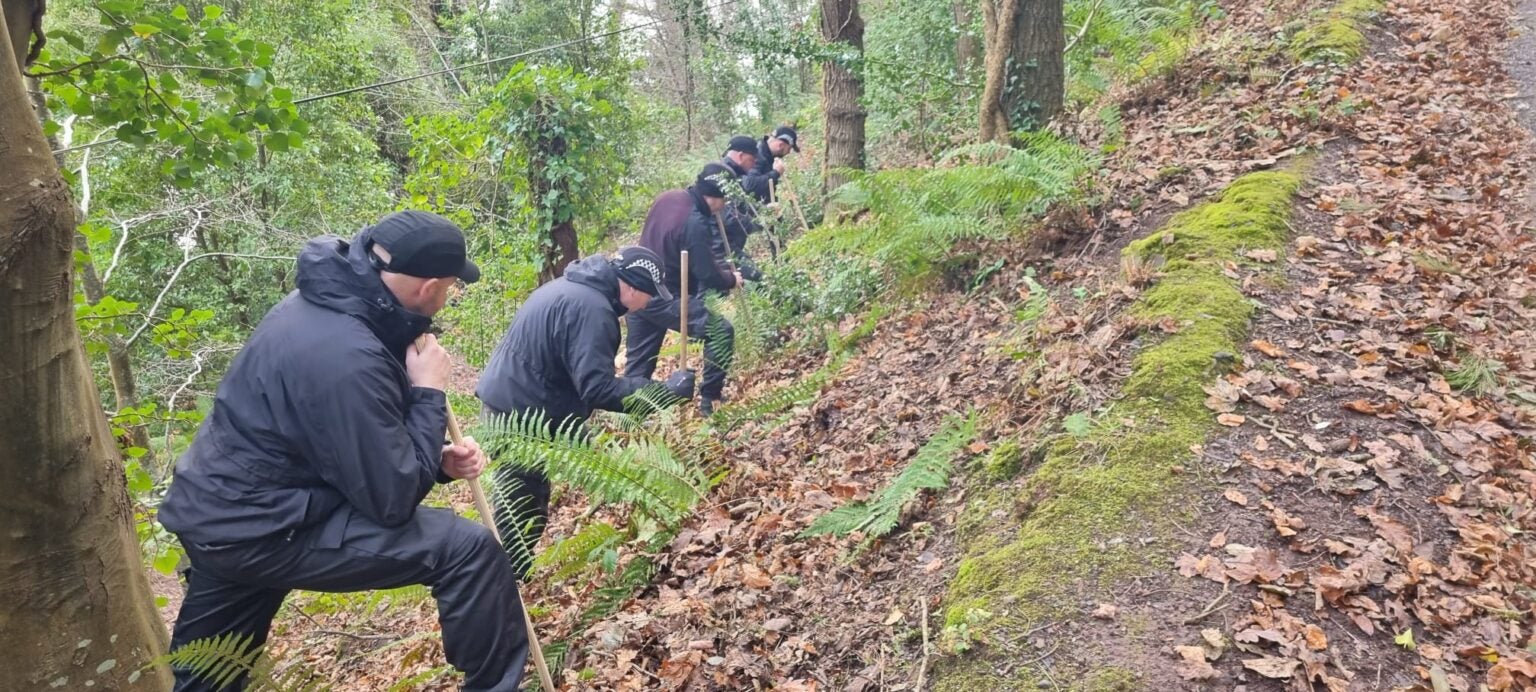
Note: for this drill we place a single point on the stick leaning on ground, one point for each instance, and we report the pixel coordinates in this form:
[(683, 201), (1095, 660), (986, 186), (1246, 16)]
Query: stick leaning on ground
[(483, 507), (682, 308)]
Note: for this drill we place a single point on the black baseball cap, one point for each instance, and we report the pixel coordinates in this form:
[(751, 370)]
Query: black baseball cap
[(710, 178), (641, 268), (787, 134), (424, 245), (743, 144)]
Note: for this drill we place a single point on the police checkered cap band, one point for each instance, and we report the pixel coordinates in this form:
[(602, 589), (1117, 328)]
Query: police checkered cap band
[(639, 266), (649, 266)]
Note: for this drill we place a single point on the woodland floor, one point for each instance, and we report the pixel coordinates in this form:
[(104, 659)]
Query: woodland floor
[(1357, 492)]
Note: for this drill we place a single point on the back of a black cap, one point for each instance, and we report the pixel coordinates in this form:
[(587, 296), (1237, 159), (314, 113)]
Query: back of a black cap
[(425, 245)]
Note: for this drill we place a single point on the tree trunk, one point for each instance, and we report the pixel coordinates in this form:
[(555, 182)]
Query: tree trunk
[(119, 366), (967, 53), (842, 91), (79, 609), (1025, 71), (561, 248), (561, 252)]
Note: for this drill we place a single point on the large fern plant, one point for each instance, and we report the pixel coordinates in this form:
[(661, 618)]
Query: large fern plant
[(638, 471)]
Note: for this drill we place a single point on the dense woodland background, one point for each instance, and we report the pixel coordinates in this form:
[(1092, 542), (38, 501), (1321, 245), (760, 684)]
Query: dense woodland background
[(952, 292)]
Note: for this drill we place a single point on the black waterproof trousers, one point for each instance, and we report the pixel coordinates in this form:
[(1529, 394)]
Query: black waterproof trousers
[(648, 328), (238, 588)]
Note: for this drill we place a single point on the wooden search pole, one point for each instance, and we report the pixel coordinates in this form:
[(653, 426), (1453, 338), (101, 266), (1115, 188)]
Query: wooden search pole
[(483, 507), (794, 201), (682, 308)]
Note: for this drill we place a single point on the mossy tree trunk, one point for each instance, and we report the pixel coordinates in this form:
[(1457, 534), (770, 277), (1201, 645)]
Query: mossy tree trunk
[(1026, 73), (79, 610), (842, 93)]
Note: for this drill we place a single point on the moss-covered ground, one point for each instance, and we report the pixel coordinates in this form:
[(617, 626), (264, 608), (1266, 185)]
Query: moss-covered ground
[(1086, 508)]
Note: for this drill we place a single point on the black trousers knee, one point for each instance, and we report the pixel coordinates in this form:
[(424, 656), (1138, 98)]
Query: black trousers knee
[(648, 328), (238, 588)]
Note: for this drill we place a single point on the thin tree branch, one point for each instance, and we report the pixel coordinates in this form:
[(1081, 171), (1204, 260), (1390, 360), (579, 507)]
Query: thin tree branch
[(1087, 22), (149, 319)]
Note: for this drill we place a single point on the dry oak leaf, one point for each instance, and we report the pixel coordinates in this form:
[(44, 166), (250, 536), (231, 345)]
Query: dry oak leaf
[(754, 577), (1194, 666), (1267, 348), (1236, 497), (1512, 673), (1273, 667), (1206, 566), (1286, 524), (1306, 369), (1316, 639), (1223, 395)]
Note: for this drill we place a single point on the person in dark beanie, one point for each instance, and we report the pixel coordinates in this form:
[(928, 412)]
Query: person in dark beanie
[(685, 220), (557, 360), (325, 435)]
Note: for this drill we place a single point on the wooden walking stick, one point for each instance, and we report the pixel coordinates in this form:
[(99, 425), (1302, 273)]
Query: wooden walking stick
[(794, 201), (773, 233), (483, 507), (729, 252), (682, 308)]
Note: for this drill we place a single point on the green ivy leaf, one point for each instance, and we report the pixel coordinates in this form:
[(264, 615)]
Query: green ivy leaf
[(165, 563)]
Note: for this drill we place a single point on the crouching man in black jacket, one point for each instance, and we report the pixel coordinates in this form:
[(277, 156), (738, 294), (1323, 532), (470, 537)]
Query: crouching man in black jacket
[(325, 435), (557, 360), (685, 220)]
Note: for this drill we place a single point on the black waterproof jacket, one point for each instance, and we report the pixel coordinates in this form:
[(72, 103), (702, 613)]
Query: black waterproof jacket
[(558, 355), (739, 218), (316, 413), (756, 181), (680, 220)]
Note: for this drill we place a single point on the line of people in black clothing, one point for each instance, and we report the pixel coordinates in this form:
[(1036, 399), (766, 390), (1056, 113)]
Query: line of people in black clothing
[(329, 428)]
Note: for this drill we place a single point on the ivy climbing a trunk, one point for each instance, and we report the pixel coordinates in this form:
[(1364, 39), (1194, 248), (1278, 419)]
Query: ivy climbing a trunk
[(80, 611), (564, 131), (1025, 69)]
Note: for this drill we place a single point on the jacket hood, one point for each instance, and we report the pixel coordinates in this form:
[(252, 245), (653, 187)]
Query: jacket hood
[(698, 201), (735, 168), (335, 274), (597, 273)]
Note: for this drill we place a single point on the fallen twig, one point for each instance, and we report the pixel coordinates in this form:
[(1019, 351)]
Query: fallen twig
[(922, 669), (1217, 604)]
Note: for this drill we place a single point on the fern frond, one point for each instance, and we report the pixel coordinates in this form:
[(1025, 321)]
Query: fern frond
[(218, 661), (516, 517), (639, 406), (733, 415), (839, 522), (929, 469), (593, 544), (419, 680), (643, 473), (617, 589)]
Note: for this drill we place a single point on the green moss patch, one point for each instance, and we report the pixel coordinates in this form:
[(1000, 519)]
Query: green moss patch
[(1085, 509), (1337, 37)]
